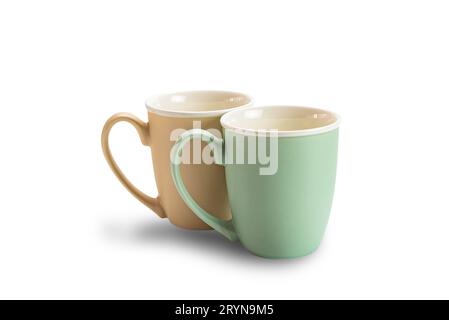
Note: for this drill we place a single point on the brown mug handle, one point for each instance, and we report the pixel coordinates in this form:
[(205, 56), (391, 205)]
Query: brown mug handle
[(144, 134)]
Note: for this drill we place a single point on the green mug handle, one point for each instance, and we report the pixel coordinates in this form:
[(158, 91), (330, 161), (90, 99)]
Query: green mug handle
[(224, 227)]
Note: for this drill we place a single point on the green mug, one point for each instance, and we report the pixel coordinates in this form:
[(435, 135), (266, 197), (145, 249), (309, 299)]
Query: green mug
[(280, 206)]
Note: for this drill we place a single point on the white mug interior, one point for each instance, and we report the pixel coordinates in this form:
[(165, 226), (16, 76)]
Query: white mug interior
[(197, 103), (286, 120)]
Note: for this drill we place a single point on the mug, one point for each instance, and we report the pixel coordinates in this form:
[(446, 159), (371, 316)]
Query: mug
[(280, 210), (168, 115)]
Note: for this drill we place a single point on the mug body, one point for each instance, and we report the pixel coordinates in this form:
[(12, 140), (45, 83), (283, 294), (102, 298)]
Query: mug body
[(205, 182), (169, 116), (283, 214)]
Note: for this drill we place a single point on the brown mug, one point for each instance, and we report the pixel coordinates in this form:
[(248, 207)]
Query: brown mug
[(170, 115)]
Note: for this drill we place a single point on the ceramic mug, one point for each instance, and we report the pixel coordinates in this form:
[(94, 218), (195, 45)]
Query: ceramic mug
[(168, 115), (282, 213)]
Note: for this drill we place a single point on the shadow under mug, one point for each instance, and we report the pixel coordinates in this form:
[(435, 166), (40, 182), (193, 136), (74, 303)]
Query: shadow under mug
[(283, 214), (168, 115)]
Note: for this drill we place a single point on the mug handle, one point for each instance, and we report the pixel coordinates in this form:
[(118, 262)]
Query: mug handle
[(144, 134), (224, 227)]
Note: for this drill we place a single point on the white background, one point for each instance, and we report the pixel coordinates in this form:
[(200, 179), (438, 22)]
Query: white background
[(68, 229)]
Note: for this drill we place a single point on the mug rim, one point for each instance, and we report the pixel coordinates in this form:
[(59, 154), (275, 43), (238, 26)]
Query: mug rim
[(153, 104), (224, 121)]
